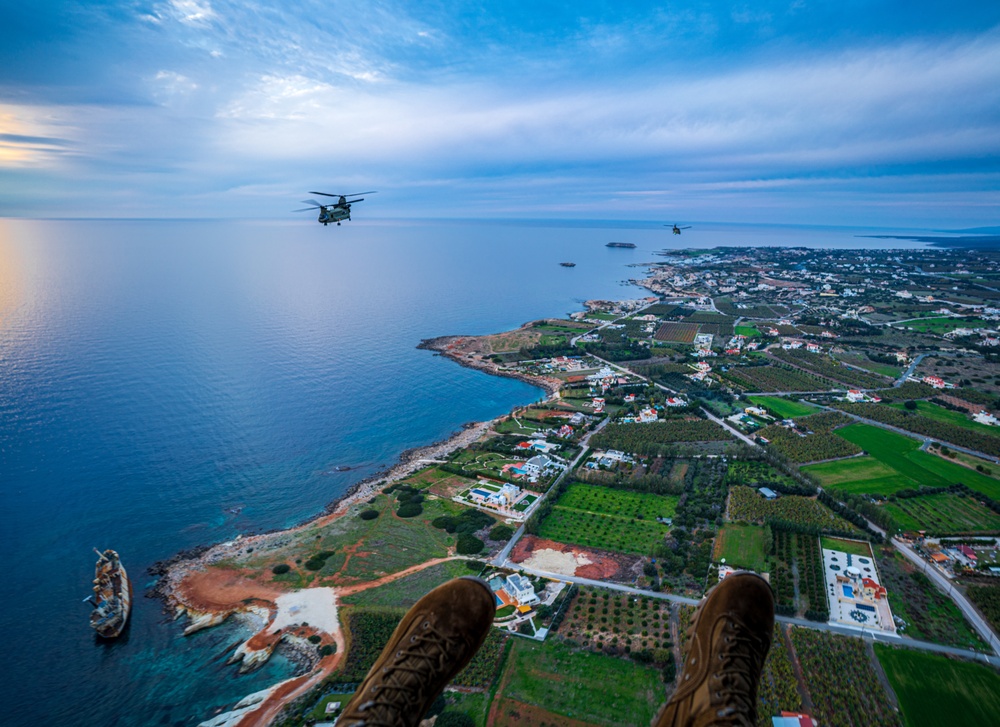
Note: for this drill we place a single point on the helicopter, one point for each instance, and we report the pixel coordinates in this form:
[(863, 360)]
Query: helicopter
[(340, 210), (677, 230)]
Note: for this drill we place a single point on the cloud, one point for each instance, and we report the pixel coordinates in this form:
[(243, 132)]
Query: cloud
[(911, 103), (511, 112), (30, 140), (196, 12)]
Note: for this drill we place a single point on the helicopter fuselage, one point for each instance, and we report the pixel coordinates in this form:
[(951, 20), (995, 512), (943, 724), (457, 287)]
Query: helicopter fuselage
[(334, 213)]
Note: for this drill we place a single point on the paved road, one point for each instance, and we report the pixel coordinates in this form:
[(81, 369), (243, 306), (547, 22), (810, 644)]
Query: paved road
[(799, 393), (977, 621), (505, 553), (611, 586), (734, 432), (910, 369)]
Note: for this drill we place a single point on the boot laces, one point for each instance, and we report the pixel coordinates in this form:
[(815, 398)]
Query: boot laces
[(425, 658), (741, 660)]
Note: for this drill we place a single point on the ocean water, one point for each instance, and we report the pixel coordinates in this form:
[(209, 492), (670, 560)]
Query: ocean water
[(156, 375)]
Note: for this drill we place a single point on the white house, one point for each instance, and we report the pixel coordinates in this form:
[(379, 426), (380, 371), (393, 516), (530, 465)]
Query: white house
[(535, 465), (984, 417), (647, 415), (521, 590)]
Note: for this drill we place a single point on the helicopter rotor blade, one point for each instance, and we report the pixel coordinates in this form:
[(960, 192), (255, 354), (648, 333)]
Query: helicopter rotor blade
[(306, 209), (352, 201), (355, 194), (312, 202)]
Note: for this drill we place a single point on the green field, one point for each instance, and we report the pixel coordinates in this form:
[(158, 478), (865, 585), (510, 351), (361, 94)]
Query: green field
[(406, 591), (860, 474), (904, 466), (784, 408), (943, 324), (592, 688), (955, 418), (748, 331), (744, 546), (935, 690), (875, 367), (622, 503), (602, 517), (387, 544), (519, 426), (854, 547), (944, 514)]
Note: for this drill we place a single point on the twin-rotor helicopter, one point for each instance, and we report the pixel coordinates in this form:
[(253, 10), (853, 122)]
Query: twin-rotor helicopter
[(335, 212), (677, 230)]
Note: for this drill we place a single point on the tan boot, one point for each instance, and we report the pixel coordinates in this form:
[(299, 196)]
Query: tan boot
[(433, 642), (731, 637)]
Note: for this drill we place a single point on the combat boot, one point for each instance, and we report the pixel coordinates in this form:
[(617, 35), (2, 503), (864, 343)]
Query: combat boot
[(433, 642), (731, 635)]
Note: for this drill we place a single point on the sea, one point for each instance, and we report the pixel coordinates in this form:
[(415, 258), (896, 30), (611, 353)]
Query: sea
[(171, 383)]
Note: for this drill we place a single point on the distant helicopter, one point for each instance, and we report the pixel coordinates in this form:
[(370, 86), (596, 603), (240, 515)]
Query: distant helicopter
[(340, 210), (677, 230)]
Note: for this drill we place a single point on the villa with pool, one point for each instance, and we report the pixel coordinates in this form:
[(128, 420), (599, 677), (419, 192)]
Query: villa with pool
[(855, 592)]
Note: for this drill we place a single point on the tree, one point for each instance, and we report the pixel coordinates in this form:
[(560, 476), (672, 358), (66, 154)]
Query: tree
[(468, 544), (501, 532), (410, 509)]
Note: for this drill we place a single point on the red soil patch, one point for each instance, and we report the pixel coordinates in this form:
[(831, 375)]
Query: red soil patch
[(602, 565), (604, 568), (512, 713), (216, 590)]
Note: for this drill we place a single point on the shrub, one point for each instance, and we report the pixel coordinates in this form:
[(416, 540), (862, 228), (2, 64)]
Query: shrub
[(327, 649), (501, 532), (317, 561), (280, 568), (454, 719), (315, 639), (469, 521), (910, 404), (468, 544), (410, 509), (368, 514)]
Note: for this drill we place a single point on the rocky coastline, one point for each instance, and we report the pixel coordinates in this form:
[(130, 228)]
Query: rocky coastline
[(441, 345)]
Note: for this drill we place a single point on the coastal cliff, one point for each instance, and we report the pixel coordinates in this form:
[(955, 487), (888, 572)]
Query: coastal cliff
[(464, 350)]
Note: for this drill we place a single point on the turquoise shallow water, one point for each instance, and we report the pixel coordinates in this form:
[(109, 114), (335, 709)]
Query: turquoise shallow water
[(154, 375)]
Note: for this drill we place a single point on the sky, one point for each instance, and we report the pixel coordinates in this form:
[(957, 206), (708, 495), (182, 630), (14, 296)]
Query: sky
[(832, 112)]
